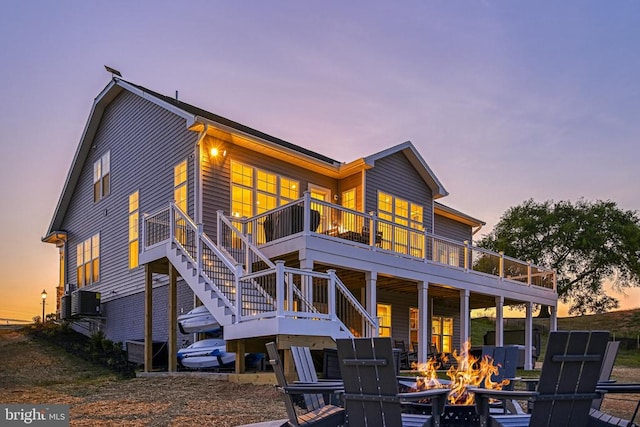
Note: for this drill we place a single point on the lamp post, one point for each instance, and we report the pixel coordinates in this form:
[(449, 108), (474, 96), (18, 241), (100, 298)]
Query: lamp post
[(44, 298)]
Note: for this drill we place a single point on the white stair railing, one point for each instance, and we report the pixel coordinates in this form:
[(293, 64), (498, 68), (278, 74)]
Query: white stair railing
[(262, 288)]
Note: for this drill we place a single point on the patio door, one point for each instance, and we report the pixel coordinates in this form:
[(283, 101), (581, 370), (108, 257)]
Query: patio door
[(324, 194)]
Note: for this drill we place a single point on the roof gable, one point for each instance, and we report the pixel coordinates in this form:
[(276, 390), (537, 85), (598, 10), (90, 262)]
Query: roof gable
[(408, 149), (192, 115)]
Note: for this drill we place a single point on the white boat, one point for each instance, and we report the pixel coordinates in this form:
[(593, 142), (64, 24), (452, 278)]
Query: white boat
[(206, 354), (197, 320)]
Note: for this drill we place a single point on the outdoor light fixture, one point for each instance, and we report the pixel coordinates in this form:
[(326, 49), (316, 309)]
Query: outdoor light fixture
[(215, 152), (44, 298)]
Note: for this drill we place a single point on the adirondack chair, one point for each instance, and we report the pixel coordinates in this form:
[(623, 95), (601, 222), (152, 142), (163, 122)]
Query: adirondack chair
[(324, 416), (601, 419), (406, 357), (506, 359), (566, 387), (371, 388), (597, 418), (607, 368), (303, 362)]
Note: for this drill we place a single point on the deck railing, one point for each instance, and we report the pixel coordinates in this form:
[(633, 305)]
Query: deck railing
[(367, 230), (256, 287)]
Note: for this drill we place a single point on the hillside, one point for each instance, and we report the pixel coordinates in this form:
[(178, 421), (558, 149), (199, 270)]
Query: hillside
[(625, 323)]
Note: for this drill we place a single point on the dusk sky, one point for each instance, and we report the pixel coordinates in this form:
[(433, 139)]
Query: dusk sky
[(505, 100)]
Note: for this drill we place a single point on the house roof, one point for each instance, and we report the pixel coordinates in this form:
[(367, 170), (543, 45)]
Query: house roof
[(448, 212), (418, 163), (199, 112), (196, 117)]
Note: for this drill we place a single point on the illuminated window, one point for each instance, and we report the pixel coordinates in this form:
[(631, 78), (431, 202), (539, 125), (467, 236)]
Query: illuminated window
[(63, 274), (88, 261), (101, 177), (442, 333), (349, 199), (447, 253), (384, 320), (180, 185), (289, 190), (254, 190), (414, 326), (408, 238), (133, 230)]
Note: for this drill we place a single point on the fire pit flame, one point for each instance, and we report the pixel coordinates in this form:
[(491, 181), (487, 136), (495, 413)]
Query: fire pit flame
[(466, 371)]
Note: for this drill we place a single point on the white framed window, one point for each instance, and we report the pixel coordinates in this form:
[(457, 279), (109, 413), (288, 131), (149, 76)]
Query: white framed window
[(102, 177), (88, 261), (255, 190), (348, 199), (180, 185), (384, 319), (134, 232), (442, 333), (409, 238), (414, 326)]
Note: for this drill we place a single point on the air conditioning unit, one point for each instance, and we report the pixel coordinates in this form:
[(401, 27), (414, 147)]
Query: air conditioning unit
[(65, 307), (85, 303)]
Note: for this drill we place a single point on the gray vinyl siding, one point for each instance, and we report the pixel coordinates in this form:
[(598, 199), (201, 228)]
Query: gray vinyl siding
[(125, 316), (216, 178), (447, 227), (400, 303), (395, 175), (145, 143), (353, 181)]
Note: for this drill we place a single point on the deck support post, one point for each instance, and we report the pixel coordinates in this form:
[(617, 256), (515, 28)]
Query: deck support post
[(528, 336), (370, 294), (465, 329), (148, 318), (240, 350), (499, 321), (423, 321), (553, 321), (307, 282), (172, 347)]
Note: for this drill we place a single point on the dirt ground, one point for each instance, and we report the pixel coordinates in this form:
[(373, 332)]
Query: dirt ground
[(36, 373), (33, 372)]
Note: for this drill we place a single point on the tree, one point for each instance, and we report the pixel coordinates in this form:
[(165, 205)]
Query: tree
[(587, 243)]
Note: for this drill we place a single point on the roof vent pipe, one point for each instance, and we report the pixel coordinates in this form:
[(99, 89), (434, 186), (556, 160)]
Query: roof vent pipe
[(176, 95)]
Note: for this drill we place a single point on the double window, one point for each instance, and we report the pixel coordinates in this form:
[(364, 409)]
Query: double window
[(88, 261), (402, 225), (254, 190), (101, 177)]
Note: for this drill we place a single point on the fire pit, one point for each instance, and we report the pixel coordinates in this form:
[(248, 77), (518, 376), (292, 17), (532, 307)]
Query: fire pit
[(453, 415), (466, 371)]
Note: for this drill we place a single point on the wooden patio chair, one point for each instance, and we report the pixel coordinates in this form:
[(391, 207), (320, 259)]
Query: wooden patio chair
[(306, 371), (506, 359), (566, 387), (407, 357), (597, 418), (323, 416), (371, 388)]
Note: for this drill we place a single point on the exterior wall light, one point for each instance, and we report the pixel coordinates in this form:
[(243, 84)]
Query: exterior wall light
[(215, 152)]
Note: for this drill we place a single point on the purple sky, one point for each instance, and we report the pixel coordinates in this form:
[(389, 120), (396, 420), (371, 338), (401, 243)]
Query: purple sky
[(505, 100)]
